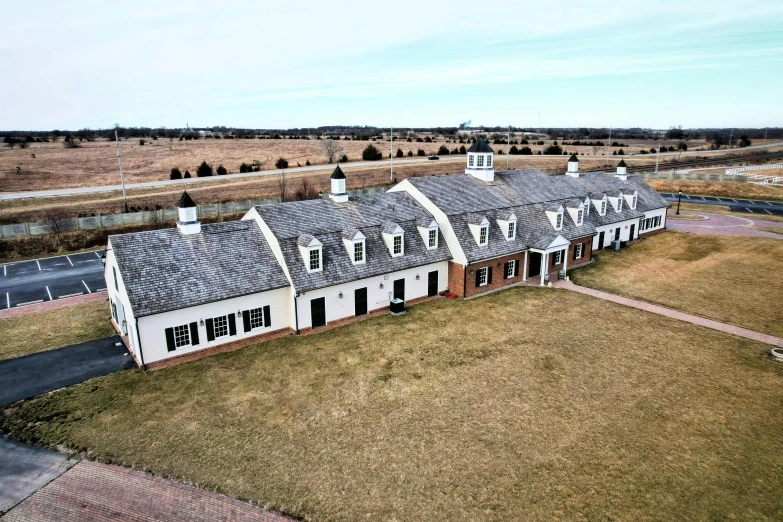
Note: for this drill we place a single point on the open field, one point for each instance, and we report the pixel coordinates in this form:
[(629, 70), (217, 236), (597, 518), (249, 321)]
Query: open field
[(733, 279), (454, 417), (720, 209), (50, 165), (40, 331), (730, 189)]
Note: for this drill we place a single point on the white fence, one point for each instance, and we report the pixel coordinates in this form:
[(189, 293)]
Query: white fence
[(738, 170)]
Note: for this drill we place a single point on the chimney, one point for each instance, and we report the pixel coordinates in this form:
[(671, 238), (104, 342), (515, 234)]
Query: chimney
[(338, 194), (480, 161), (622, 171), (188, 222), (573, 166)]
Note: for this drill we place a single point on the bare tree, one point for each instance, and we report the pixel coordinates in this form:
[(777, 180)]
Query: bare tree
[(331, 149), (156, 217), (306, 190), (56, 221), (281, 182)]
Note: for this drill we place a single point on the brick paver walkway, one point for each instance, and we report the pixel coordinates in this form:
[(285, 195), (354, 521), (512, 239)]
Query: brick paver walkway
[(724, 225), (93, 492), (674, 314)]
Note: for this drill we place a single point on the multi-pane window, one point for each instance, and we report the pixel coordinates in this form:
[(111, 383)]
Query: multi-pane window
[(114, 310), (181, 335), (315, 259), (256, 318), (358, 252), (580, 216), (579, 250), (620, 204), (587, 208), (116, 284), (557, 257), (657, 221), (220, 326), (470, 159), (482, 276), (480, 160), (510, 268), (489, 161), (559, 221), (483, 236), (633, 201), (397, 245), (603, 207), (433, 238), (512, 229)]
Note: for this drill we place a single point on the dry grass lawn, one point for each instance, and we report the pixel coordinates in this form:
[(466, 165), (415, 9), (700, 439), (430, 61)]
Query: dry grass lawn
[(734, 279), (41, 331), (724, 189), (529, 404)]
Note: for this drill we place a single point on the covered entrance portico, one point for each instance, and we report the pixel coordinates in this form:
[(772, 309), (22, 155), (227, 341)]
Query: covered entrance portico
[(559, 243)]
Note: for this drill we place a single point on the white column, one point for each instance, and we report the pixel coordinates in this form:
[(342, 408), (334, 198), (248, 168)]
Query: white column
[(565, 262), (544, 265), (524, 272)]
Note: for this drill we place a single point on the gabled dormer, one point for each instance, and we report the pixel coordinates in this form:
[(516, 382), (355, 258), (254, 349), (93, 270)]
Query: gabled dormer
[(480, 164), (586, 204), (394, 237), (600, 203), (312, 253), (428, 228), (479, 227), (617, 202), (356, 245), (576, 210), (631, 199), (556, 217), (507, 221)]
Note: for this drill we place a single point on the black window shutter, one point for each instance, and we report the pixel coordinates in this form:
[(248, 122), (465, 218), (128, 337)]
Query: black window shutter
[(267, 317), (232, 324), (575, 246), (170, 339), (505, 269), (210, 330), (478, 278), (193, 334), (489, 275), (246, 320), (516, 268)]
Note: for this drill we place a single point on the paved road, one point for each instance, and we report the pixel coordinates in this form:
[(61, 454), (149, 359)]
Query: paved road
[(48, 279), (750, 206), (313, 168), (42, 372)]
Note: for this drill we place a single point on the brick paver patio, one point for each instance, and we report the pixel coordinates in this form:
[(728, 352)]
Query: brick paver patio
[(724, 225), (93, 492), (674, 314)]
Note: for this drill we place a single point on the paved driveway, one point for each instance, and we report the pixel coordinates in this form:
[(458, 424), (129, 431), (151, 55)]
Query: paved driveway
[(724, 225), (43, 372)]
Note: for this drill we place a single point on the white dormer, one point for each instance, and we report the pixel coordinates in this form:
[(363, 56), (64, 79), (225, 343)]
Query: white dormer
[(479, 227), (429, 233), (312, 253), (480, 161), (622, 170), (556, 217), (617, 202), (573, 166), (632, 199), (577, 214), (587, 206), (356, 246), (508, 224), (338, 194), (600, 205), (393, 236)]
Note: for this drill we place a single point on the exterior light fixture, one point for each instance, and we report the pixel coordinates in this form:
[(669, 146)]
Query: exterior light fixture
[(239, 312), (103, 259), (201, 322), (381, 285), (679, 197), (341, 295), (418, 277)]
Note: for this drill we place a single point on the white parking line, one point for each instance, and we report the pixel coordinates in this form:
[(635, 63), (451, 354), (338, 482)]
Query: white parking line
[(764, 209), (69, 260), (30, 302), (4, 270), (90, 291), (39, 265), (7, 300), (749, 210), (100, 290), (70, 295), (50, 294), (735, 201), (97, 255)]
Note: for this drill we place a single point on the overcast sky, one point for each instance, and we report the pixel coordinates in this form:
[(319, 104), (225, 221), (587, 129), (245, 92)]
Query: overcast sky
[(69, 65)]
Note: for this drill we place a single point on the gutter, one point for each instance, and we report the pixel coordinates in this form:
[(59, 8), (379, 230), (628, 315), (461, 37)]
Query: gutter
[(141, 353), (296, 313)]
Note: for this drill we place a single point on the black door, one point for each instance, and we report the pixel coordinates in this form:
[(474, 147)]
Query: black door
[(318, 312), (432, 283), (617, 234), (534, 264), (360, 300), (600, 240), (633, 229), (399, 289)]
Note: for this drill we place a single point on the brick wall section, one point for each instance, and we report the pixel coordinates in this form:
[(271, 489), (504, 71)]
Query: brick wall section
[(456, 279), (50, 305), (498, 275), (586, 256)]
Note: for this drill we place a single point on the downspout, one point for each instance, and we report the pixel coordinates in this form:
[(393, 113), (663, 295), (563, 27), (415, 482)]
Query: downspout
[(296, 313), (465, 282), (141, 353)]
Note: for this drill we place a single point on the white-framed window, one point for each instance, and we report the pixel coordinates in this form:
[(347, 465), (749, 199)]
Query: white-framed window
[(587, 208), (432, 238), (657, 221), (482, 276), (557, 257), (116, 284), (620, 203), (559, 221), (480, 160), (358, 252), (220, 325), (256, 318), (633, 201), (511, 267), (603, 207), (114, 310), (181, 335), (489, 160), (315, 259), (580, 216), (512, 230), (579, 250), (397, 245), (470, 159), (483, 231)]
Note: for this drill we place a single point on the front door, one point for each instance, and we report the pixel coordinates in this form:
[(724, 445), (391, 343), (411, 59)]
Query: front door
[(360, 301), (432, 283), (633, 229), (318, 312), (399, 289), (600, 240), (617, 234), (534, 264)]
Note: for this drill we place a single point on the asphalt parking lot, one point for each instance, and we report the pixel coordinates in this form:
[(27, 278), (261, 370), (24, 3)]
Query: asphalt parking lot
[(31, 282), (750, 206)]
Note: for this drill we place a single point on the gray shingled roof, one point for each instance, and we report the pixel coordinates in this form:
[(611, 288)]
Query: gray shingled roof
[(166, 270), (327, 220)]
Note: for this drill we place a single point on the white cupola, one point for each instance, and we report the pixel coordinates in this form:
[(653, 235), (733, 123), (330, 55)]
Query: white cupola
[(622, 170), (573, 166), (480, 161), (338, 194), (188, 220)]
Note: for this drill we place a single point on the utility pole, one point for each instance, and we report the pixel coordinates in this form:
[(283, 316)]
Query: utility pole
[(119, 156), (730, 137), (391, 154)]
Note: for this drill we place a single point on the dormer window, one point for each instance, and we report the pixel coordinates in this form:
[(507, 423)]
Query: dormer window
[(580, 216), (512, 230), (315, 259), (603, 207), (358, 252), (559, 221), (432, 239), (633, 201), (397, 245), (483, 232), (393, 237), (620, 203), (587, 206), (312, 253)]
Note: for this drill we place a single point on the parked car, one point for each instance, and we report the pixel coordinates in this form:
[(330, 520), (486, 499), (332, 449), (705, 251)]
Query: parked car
[(433, 157)]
